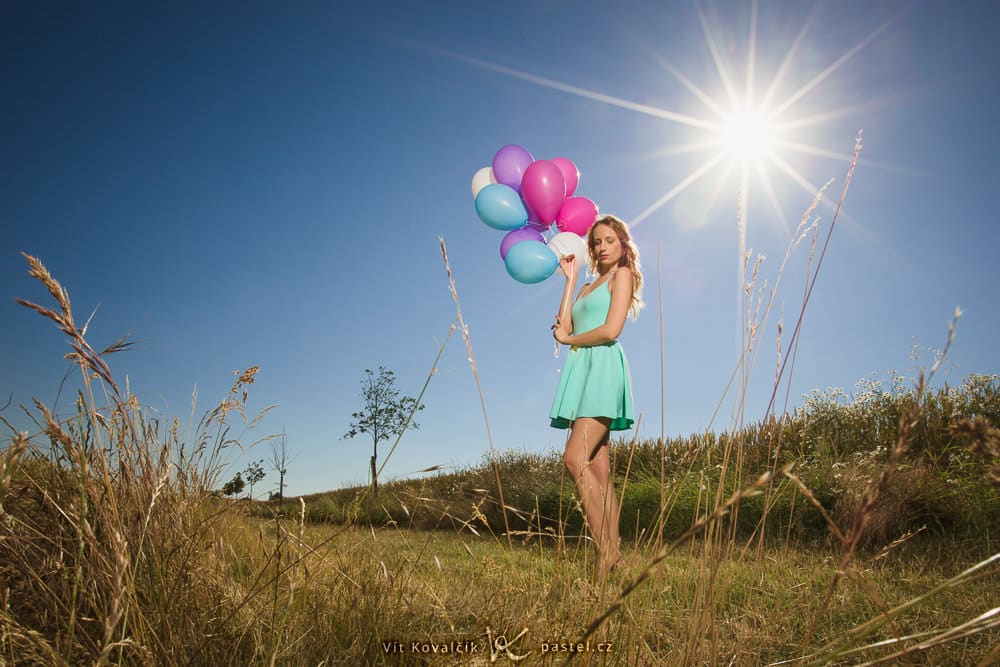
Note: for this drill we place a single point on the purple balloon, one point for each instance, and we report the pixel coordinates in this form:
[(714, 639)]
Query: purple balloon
[(516, 236), (509, 165)]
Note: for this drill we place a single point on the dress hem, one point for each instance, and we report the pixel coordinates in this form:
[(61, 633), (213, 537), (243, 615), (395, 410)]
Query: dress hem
[(619, 424)]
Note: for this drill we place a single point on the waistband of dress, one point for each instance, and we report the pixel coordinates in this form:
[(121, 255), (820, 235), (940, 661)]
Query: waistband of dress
[(610, 343)]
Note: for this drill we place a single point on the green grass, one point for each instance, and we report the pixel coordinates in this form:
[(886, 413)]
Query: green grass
[(838, 448), (365, 587)]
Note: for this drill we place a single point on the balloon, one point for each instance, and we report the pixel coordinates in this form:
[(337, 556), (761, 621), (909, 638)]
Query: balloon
[(568, 243), (481, 179), (525, 233), (532, 216), (576, 215), (544, 189), (509, 165), (500, 207), (539, 227), (530, 262), (570, 173)]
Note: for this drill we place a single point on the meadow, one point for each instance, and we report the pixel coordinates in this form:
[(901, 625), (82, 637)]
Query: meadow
[(860, 529)]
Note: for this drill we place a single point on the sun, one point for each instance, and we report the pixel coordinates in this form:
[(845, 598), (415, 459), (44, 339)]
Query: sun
[(749, 130), (749, 134)]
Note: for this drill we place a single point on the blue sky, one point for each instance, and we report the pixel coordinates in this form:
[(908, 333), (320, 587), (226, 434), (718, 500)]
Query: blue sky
[(247, 183)]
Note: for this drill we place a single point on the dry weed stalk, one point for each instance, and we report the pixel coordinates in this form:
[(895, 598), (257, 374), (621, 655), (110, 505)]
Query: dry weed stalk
[(9, 460), (475, 372), (986, 621), (420, 396), (801, 232), (807, 492), (663, 430), (90, 362), (982, 623), (895, 544)]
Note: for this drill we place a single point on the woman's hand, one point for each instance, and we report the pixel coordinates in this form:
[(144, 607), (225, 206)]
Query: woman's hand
[(564, 319), (569, 267), (560, 332)]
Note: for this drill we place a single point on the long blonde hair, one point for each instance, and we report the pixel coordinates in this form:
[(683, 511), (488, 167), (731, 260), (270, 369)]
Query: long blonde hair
[(629, 258)]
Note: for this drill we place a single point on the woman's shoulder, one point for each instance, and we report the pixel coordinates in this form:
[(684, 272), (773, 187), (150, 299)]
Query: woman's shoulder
[(622, 275)]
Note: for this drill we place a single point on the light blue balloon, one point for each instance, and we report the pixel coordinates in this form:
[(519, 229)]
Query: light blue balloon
[(500, 207), (530, 262)]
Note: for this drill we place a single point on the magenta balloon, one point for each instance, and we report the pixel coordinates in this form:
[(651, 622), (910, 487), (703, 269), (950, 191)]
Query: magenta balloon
[(509, 165), (570, 173), (516, 236), (576, 215), (544, 189), (533, 221), (532, 216)]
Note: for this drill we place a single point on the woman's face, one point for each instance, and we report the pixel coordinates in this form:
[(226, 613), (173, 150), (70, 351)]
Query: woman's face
[(607, 247)]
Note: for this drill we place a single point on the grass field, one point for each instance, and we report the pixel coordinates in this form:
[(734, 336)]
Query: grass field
[(436, 588), (114, 549)]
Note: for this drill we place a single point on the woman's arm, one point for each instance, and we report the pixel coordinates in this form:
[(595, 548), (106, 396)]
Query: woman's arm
[(621, 298), (564, 318)]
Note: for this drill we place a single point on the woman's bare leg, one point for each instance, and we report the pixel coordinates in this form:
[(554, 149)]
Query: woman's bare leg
[(610, 543), (587, 461)]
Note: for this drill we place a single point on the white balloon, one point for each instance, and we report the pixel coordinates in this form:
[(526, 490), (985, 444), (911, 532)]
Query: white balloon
[(481, 179), (568, 243)]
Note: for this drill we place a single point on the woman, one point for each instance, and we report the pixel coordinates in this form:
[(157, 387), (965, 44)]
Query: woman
[(595, 390)]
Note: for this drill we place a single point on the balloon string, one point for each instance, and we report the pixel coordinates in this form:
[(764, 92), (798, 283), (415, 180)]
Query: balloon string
[(555, 349)]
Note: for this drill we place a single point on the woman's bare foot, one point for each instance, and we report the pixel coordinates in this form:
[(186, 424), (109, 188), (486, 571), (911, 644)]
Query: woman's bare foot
[(607, 566)]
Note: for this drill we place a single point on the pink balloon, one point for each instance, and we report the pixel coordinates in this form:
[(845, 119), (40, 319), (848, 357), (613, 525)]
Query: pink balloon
[(544, 189), (570, 173), (576, 215)]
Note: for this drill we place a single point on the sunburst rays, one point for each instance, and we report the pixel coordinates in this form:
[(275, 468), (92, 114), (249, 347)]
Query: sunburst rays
[(745, 131)]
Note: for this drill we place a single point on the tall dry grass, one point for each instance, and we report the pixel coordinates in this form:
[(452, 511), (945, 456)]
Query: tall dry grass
[(105, 528)]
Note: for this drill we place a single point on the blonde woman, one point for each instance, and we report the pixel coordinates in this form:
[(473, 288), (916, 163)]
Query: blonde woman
[(595, 389)]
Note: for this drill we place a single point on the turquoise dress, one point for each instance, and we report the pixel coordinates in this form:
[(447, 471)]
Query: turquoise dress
[(595, 381)]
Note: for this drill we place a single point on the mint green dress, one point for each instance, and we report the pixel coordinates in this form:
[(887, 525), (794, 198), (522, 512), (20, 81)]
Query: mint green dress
[(595, 381)]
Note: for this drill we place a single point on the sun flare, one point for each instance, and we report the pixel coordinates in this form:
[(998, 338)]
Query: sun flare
[(749, 135), (748, 138)]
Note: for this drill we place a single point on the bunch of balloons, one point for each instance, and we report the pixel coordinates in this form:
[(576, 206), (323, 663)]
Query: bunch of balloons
[(523, 197)]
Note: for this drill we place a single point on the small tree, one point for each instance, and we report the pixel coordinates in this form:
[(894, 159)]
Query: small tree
[(279, 462), (384, 414), (254, 473), (234, 486)]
